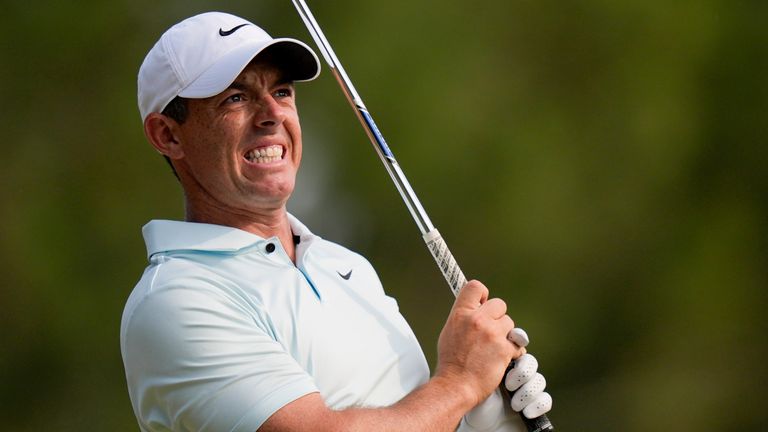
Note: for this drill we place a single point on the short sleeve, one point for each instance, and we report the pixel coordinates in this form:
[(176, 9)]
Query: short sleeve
[(200, 360)]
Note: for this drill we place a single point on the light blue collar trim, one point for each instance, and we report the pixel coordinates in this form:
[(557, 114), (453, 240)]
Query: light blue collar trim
[(168, 235)]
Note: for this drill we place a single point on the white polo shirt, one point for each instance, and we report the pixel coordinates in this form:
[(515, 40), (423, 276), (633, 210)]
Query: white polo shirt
[(223, 330)]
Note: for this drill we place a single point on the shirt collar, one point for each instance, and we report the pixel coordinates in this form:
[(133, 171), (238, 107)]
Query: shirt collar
[(167, 235)]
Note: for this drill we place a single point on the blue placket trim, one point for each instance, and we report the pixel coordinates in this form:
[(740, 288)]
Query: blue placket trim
[(309, 281), (274, 243)]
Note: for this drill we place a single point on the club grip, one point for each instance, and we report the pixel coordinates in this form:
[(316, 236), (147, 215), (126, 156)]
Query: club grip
[(445, 261), (456, 280), (538, 424)]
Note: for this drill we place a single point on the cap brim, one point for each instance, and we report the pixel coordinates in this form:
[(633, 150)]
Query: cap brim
[(296, 59)]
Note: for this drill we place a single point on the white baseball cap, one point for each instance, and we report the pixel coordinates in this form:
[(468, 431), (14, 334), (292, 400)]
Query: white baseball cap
[(202, 55)]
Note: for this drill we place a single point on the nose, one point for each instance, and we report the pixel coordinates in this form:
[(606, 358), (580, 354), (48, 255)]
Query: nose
[(270, 113)]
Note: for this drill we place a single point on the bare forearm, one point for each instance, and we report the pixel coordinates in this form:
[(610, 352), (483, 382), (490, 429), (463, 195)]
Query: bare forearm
[(437, 406), (473, 352)]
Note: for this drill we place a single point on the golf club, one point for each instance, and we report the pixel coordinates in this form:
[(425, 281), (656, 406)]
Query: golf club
[(434, 241)]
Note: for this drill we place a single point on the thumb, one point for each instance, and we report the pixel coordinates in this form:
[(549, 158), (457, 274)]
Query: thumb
[(471, 296)]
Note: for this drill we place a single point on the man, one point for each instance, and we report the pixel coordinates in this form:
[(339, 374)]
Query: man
[(244, 320)]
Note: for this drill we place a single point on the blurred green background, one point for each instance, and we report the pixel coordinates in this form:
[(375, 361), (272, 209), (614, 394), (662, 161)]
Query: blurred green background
[(601, 165)]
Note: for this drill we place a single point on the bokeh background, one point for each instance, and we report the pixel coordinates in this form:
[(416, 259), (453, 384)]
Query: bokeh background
[(601, 165)]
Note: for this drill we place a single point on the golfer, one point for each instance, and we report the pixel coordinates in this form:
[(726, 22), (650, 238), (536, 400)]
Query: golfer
[(244, 320)]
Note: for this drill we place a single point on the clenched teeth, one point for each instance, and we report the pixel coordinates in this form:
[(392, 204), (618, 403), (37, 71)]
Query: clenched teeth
[(265, 154)]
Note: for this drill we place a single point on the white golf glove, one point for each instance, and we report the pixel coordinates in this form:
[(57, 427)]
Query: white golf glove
[(494, 415), (528, 387)]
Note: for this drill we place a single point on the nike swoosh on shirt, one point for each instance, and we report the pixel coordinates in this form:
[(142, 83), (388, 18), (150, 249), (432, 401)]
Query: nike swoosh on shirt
[(345, 276), (223, 32)]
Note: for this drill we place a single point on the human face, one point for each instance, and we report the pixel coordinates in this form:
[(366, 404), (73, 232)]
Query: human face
[(242, 147)]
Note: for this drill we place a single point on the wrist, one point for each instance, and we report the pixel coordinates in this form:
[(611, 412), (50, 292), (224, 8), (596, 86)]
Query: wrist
[(457, 385)]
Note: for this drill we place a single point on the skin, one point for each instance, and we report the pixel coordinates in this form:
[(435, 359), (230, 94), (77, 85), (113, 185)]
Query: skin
[(222, 187), (208, 152)]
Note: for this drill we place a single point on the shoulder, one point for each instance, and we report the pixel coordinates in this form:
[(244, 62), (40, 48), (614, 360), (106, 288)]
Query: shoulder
[(176, 298), (190, 343), (175, 281)]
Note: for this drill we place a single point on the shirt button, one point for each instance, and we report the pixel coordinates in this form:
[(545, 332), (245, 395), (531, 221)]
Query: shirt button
[(270, 247)]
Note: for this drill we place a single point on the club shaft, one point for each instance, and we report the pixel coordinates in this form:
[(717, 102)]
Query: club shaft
[(377, 139), (434, 241)]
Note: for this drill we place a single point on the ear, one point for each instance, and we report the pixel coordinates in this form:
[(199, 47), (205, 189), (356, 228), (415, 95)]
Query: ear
[(163, 134)]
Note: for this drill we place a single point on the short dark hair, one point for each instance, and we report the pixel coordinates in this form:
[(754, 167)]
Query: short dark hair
[(177, 110)]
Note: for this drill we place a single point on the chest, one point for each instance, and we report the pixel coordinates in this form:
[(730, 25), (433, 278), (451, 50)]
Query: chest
[(336, 322)]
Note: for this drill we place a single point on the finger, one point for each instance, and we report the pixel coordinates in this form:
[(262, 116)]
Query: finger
[(523, 352), (519, 352), (521, 372), (540, 406), (528, 392), (505, 325), (519, 337), (494, 308), (471, 295)]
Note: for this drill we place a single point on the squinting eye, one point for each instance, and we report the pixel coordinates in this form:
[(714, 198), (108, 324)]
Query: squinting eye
[(283, 93), (235, 98)]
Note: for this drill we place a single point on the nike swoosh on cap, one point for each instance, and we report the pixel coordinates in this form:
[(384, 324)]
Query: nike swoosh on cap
[(345, 276), (223, 32)]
